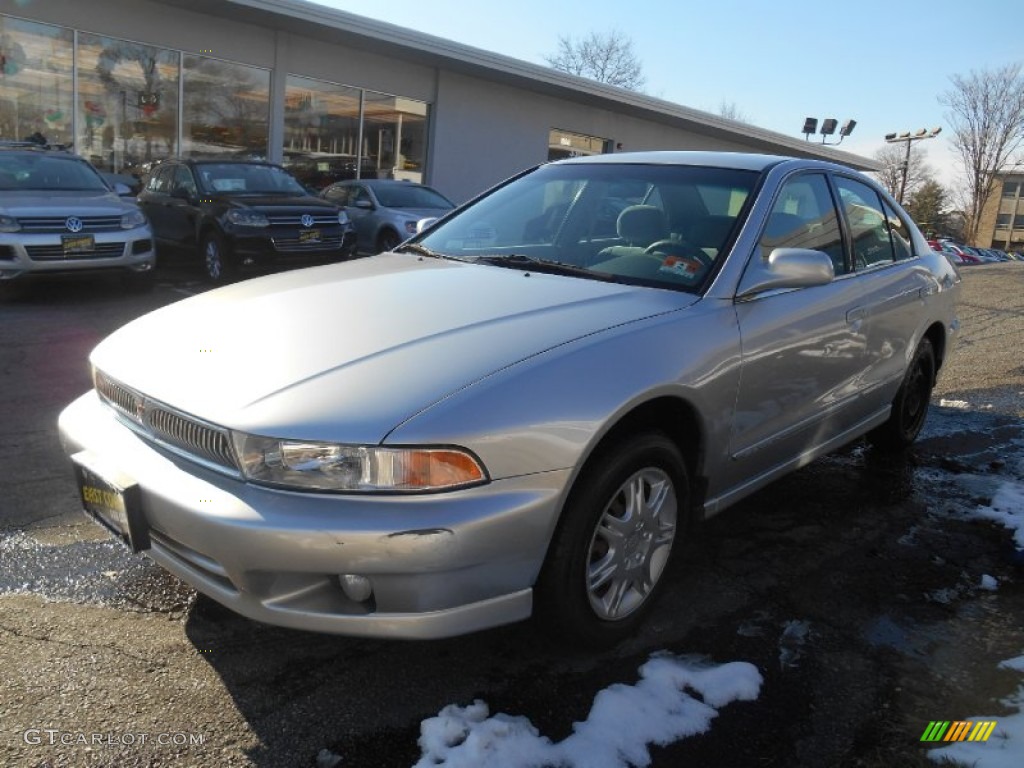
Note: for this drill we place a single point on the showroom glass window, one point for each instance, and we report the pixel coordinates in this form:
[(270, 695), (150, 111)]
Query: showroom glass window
[(127, 103), (394, 136), (226, 108), (321, 129), (36, 85)]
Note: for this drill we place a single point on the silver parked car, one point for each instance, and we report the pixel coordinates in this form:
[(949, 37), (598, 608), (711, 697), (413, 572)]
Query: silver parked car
[(526, 407), (385, 212), (58, 215)]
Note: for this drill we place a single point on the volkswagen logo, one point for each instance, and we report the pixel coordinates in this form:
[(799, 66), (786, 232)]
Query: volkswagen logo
[(74, 224), (307, 220)]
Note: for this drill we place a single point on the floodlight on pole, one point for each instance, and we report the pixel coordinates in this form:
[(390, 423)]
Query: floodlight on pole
[(908, 137), (828, 128)]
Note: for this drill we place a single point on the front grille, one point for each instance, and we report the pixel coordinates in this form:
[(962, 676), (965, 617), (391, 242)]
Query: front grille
[(124, 400), (190, 435), (295, 220), (292, 244), (186, 435), (56, 252), (58, 224)]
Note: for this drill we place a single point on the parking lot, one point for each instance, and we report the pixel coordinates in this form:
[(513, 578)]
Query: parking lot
[(868, 593)]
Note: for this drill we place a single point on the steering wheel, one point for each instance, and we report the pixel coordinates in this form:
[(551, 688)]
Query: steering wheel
[(676, 248)]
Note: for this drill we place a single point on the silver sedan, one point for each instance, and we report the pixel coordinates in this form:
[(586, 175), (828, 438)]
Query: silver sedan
[(524, 409)]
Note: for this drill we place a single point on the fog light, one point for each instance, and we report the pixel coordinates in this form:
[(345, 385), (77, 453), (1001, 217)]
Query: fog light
[(356, 588)]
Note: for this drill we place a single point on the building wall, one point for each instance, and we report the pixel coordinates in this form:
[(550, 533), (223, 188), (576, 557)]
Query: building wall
[(482, 130)]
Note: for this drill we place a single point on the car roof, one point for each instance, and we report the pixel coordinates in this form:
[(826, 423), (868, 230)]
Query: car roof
[(737, 160)]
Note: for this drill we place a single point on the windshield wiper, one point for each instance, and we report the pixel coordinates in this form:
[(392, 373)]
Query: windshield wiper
[(422, 250), (524, 262)]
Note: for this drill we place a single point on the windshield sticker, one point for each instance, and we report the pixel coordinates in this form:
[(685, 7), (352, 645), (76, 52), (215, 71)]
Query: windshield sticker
[(681, 266)]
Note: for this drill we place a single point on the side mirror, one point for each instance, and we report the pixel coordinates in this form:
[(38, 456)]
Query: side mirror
[(365, 204), (424, 223), (122, 190), (786, 268)]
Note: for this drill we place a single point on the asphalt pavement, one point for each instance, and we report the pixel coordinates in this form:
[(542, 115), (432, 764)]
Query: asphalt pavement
[(853, 585)]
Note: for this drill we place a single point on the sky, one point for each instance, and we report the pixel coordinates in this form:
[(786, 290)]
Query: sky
[(883, 64)]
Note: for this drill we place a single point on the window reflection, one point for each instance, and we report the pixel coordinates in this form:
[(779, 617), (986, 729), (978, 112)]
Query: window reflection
[(226, 108), (36, 88), (321, 123), (394, 136), (127, 103)]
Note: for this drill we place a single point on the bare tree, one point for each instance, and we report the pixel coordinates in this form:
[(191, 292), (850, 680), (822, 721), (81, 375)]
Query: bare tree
[(607, 58), (892, 158), (729, 110), (987, 117)]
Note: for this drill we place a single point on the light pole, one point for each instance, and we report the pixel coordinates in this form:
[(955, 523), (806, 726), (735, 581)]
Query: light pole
[(828, 127), (908, 137)]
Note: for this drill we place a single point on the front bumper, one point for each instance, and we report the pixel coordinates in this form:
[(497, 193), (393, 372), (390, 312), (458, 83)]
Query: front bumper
[(24, 254), (440, 564), (282, 246)]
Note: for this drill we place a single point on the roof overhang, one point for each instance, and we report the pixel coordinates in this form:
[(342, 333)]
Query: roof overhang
[(341, 27)]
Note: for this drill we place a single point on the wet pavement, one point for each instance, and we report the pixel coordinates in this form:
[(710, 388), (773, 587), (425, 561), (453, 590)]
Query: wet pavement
[(865, 589)]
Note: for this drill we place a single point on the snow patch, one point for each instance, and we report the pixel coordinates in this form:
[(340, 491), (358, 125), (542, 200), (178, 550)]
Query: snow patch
[(989, 582), (623, 721), (1007, 508)]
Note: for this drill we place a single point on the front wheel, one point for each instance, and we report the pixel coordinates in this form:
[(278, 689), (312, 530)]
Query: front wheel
[(910, 406), (612, 549), (216, 260), (388, 240)]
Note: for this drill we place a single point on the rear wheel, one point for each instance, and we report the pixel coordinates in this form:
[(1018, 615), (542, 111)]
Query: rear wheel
[(910, 406), (610, 554)]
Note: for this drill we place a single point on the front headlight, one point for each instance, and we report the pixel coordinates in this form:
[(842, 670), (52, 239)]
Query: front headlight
[(342, 218), (9, 224), (133, 219), (354, 468), (246, 218), (411, 226)]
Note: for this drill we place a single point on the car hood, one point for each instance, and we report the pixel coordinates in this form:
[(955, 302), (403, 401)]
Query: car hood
[(276, 201), (419, 213), (62, 202), (349, 351)]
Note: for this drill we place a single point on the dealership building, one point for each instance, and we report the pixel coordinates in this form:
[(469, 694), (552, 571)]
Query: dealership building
[(327, 93)]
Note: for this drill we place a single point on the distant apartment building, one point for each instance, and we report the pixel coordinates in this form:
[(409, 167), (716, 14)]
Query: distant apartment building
[(1002, 221)]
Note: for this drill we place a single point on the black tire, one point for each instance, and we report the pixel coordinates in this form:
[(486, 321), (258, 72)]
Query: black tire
[(910, 406), (217, 261), (388, 240), (606, 564)]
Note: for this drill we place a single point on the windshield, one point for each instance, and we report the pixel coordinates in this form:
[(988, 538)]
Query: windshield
[(28, 173), (408, 196), (247, 178), (659, 225)]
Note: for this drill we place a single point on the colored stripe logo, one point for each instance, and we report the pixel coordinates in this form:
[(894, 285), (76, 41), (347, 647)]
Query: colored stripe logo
[(958, 730)]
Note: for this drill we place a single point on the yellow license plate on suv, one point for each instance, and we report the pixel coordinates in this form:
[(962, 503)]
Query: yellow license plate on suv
[(72, 244), (309, 236)]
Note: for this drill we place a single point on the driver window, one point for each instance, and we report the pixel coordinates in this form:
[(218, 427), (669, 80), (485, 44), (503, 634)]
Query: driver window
[(804, 216)]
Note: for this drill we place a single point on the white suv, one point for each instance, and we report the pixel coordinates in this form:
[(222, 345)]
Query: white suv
[(57, 215)]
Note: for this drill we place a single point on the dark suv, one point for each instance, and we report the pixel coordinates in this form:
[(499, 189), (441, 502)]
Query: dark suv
[(241, 213)]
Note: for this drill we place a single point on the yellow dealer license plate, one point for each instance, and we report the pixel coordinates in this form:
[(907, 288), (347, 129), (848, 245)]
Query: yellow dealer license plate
[(112, 499), (309, 236), (78, 244)]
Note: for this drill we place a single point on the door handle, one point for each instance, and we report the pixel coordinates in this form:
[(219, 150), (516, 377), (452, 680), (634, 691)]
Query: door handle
[(856, 315)]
